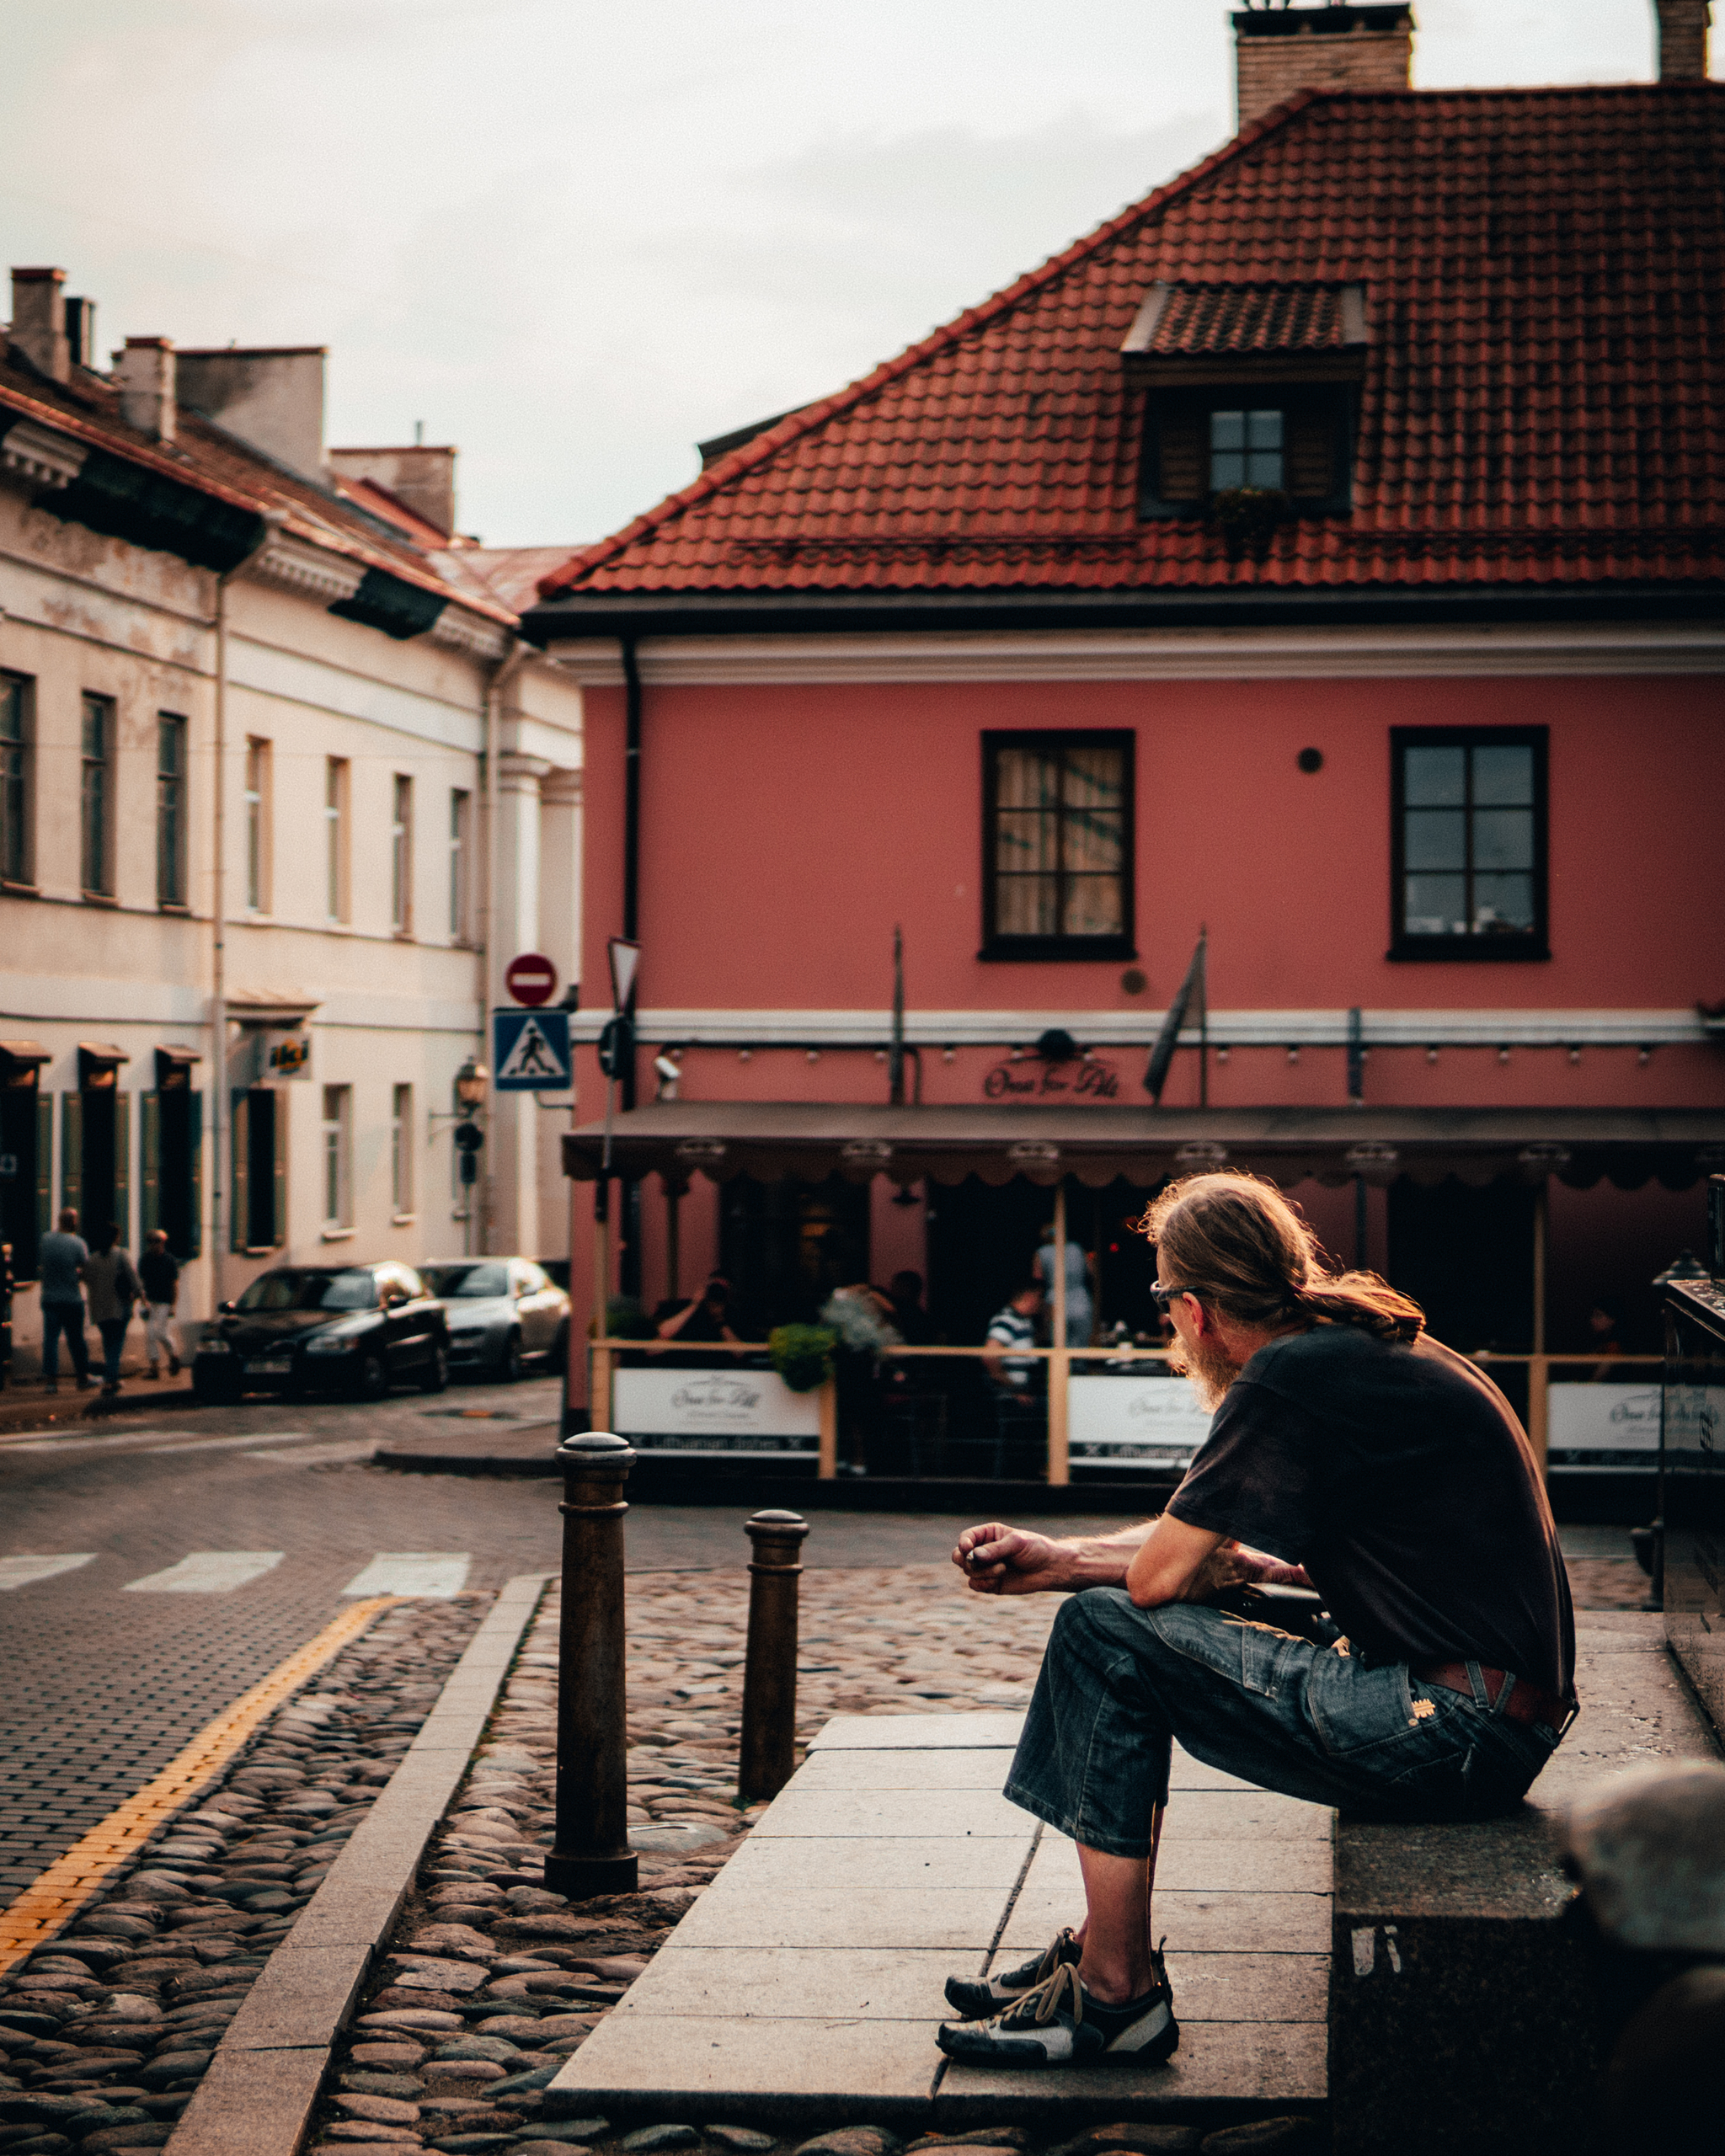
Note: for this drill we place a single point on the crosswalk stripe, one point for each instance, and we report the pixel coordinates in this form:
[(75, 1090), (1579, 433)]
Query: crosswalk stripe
[(427, 1573), (318, 1455), (208, 1571), (227, 1444), (22, 1572)]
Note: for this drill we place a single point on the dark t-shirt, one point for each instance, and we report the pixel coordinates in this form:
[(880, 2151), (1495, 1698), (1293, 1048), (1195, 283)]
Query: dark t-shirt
[(1400, 1478), (159, 1271)]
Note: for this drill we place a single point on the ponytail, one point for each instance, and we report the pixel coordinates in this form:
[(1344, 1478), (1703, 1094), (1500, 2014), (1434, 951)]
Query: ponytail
[(1237, 1243)]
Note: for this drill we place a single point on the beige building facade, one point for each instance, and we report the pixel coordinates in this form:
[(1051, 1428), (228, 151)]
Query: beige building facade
[(275, 796)]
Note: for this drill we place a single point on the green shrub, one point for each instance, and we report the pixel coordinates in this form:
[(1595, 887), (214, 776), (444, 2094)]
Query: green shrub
[(626, 1319), (802, 1354)]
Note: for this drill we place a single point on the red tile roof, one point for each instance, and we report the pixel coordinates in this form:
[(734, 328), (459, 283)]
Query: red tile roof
[(1204, 320), (1542, 400), (217, 464)]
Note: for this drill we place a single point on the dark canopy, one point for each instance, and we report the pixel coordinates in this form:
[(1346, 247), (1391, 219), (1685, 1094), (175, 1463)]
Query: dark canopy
[(812, 1140)]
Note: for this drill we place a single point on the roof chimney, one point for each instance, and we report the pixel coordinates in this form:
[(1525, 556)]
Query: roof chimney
[(38, 320), (422, 477), (1279, 52), (271, 396), (144, 374), (1683, 40)]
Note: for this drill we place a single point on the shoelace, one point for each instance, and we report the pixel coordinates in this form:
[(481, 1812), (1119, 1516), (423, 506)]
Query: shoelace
[(1054, 1956), (1039, 2005)]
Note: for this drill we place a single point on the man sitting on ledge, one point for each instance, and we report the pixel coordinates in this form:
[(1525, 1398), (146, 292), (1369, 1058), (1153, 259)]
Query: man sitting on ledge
[(1380, 1468)]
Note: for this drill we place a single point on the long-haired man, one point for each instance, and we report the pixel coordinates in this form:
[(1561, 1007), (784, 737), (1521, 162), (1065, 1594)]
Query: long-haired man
[(1348, 1452)]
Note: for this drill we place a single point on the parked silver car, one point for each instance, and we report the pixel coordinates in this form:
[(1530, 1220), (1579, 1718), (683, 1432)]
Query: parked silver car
[(503, 1313)]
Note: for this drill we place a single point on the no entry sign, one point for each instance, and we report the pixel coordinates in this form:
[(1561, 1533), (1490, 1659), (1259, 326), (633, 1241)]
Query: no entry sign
[(530, 980)]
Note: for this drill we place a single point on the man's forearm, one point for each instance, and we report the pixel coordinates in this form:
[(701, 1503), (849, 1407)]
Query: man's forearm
[(1102, 1560)]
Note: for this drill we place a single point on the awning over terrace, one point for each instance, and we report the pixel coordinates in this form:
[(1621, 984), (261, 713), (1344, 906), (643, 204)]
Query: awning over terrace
[(812, 1140)]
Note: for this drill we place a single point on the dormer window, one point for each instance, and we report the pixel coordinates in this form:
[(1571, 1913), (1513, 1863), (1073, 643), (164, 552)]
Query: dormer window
[(1245, 448), (1246, 386)]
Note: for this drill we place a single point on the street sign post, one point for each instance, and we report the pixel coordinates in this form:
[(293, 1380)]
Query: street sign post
[(530, 1051), (530, 978)]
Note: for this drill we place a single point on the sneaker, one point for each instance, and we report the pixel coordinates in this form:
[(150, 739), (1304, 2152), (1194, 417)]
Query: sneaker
[(1060, 2024), (978, 1999), (153, 1373), (174, 1366)]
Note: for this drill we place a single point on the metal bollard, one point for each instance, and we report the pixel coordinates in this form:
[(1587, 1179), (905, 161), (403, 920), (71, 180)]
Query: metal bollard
[(768, 1756), (592, 1854)]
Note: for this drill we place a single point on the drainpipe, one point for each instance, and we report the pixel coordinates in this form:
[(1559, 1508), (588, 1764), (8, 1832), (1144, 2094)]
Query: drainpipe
[(272, 522), (502, 675), (629, 1273)]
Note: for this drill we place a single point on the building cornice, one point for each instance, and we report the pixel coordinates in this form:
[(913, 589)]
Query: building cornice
[(1117, 1029), (308, 572), (1156, 655), (38, 457), (469, 634)]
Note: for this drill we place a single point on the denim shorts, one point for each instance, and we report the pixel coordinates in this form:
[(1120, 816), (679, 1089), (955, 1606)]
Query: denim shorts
[(1118, 1685)]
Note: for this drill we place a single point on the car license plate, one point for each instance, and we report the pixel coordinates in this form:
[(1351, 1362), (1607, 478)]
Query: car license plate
[(268, 1367)]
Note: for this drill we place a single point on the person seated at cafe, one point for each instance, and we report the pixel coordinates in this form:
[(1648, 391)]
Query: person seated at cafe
[(1081, 1309), (1605, 1328), (909, 1319), (1013, 1326), (707, 1318)]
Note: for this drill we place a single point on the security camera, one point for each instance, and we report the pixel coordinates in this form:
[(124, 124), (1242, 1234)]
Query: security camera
[(668, 1074)]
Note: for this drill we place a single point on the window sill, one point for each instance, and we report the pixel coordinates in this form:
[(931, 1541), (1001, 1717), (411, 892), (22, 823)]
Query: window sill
[(177, 907), (336, 1235), (19, 890), (403, 934), (1056, 950), (99, 898), (260, 1250), (1467, 950), (403, 1219)]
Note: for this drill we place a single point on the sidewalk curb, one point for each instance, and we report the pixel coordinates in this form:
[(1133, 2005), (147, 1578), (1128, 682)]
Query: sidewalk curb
[(269, 2067)]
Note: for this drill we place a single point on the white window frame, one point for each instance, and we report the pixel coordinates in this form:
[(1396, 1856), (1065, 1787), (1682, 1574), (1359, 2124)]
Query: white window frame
[(337, 1161), (401, 1154)]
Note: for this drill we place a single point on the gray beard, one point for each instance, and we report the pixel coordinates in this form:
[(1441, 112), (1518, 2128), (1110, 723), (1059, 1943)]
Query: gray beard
[(1208, 1370)]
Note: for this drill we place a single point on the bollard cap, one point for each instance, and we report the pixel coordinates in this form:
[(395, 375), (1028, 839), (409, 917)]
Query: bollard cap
[(776, 1527), (596, 1452)]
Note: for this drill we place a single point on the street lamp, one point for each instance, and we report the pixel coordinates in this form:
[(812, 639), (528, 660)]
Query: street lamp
[(471, 1082)]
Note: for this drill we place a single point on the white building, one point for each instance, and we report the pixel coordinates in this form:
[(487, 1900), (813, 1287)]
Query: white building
[(265, 773)]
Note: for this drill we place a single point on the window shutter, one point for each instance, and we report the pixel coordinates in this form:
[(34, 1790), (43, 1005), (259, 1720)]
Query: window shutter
[(195, 1140), (1312, 449), (71, 1153), (279, 1121), (1184, 474), (45, 1164), (239, 1165), (149, 1165), (122, 1167)]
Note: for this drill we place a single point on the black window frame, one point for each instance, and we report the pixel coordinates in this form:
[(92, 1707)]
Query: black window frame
[(172, 881), (1166, 403), (18, 787), (1530, 948), (96, 795), (1001, 948)]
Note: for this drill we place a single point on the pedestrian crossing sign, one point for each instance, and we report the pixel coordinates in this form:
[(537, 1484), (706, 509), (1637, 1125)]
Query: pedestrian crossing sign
[(530, 1051)]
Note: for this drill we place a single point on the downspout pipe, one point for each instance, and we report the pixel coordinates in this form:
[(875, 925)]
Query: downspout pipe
[(219, 1111), (502, 675), (630, 1271)]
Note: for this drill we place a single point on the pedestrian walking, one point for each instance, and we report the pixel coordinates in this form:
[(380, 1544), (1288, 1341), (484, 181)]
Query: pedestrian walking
[(6, 1286), (60, 1258), (114, 1284), (158, 1273)]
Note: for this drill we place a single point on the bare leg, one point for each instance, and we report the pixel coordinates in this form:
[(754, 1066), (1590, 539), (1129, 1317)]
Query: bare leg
[(1116, 1965)]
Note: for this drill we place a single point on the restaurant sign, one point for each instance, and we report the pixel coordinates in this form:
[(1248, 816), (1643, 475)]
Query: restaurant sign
[(1152, 1422), (1602, 1428), (743, 1414), (1031, 1078)]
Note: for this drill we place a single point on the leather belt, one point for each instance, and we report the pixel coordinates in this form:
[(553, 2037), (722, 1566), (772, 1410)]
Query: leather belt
[(1525, 1702)]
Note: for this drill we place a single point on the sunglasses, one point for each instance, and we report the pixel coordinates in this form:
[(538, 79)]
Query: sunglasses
[(1162, 1296)]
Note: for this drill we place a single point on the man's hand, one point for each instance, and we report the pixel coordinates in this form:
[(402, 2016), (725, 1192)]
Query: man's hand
[(997, 1559)]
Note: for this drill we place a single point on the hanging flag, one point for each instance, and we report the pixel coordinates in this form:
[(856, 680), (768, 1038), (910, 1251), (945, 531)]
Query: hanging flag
[(1193, 990)]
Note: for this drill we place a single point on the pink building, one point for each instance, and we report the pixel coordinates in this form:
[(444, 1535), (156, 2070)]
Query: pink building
[(1326, 551)]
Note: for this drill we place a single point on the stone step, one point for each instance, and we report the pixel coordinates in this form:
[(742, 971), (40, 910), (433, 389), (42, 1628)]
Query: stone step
[(805, 1985)]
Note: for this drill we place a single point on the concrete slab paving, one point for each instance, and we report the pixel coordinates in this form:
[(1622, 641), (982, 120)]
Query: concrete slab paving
[(806, 1983), (764, 1865), (903, 1812), (784, 1983), (931, 1733), (960, 1919)]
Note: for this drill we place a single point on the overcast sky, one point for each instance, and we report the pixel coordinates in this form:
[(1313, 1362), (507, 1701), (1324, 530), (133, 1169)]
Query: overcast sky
[(574, 237)]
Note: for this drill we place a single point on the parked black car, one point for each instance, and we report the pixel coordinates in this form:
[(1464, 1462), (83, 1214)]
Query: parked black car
[(358, 1329)]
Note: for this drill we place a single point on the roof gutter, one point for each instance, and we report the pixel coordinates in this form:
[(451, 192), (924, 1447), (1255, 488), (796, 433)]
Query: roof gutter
[(628, 618)]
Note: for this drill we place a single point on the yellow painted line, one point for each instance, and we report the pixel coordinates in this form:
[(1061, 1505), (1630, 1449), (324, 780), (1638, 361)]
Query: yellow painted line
[(50, 1902)]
